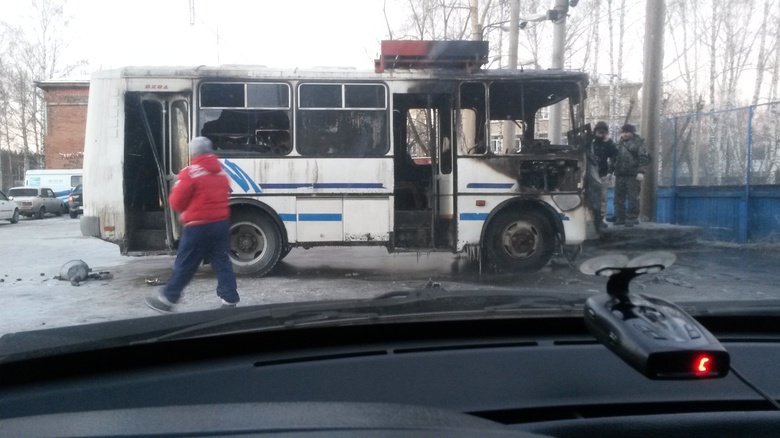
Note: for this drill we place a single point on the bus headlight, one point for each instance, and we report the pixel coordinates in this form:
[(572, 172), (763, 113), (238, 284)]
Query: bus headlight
[(567, 202)]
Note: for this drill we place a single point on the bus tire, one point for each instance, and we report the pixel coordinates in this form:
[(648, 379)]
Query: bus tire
[(519, 241), (255, 243), (60, 210), (41, 213)]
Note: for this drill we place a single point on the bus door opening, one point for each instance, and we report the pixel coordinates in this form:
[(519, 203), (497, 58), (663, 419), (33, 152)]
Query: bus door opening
[(424, 205), (156, 138)]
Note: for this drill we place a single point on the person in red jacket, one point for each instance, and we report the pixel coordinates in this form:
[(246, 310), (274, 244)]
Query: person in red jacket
[(201, 195)]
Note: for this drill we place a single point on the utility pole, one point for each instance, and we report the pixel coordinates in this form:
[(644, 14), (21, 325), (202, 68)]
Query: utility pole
[(655, 11), (558, 17), (476, 26), (508, 133)]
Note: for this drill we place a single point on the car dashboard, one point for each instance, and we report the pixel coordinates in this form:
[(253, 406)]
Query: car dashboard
[(504, 376)]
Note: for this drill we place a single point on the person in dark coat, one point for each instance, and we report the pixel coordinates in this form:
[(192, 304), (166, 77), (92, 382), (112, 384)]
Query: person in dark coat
[(604, 150), (630, 167)]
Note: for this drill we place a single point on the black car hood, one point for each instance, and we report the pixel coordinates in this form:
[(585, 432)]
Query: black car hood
[(415, 305)]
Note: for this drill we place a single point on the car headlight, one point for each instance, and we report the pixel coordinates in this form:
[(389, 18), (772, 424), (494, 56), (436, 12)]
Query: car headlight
[(567, 202)]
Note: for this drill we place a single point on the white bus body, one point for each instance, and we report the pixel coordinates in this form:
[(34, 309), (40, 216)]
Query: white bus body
[(399, 159), (61, 181)]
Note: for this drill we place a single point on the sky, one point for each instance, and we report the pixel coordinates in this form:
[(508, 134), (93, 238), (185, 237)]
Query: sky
[(275, 33)]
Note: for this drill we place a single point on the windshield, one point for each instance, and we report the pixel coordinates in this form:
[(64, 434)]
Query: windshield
[(251, 154), (23, 192)]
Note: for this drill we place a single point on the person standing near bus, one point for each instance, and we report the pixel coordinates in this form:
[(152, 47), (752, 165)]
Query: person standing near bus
[(201, 195), (605, 151), (630, 167)]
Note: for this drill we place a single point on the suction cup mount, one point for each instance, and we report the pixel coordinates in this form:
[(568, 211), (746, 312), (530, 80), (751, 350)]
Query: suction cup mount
[(621, 270)]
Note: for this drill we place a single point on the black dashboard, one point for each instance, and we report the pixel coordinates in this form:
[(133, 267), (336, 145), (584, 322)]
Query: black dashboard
[(502, 377)]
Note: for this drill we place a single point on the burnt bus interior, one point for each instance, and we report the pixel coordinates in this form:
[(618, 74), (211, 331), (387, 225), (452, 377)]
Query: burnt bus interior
[(145, 216), (423, 134), (423, 126), (253, 120)]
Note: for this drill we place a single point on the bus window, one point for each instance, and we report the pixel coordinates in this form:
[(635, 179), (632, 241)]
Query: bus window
[(420, 132), (472, 136), (179, 137), (246, 119), (343, 120)]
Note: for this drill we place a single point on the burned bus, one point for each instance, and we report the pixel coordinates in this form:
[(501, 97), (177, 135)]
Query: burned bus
[(427, 152)]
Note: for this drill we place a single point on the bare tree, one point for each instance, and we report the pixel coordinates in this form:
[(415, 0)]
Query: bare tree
[(761, 60), (33, 51)]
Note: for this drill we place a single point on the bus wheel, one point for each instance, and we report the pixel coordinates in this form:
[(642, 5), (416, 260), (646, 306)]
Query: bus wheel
[(255, 243), (41, 213), (519, 241)]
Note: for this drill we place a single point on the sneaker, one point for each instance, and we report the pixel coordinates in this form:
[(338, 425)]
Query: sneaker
[(226, 304), (631, 222), (159, 303)]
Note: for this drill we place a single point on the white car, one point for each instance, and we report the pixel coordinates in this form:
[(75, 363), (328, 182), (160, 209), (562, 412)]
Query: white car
[(36, 201), (8, 209)]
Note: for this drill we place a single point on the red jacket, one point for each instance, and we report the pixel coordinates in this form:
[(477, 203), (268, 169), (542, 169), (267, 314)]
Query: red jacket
[(202, 192)]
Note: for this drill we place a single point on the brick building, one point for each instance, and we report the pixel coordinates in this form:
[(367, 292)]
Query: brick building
[(66, 122)]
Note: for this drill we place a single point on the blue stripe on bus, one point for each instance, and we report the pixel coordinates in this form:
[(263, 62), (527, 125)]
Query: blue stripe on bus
[(282, 186), (287, 217), (490, 185), (319, 217), (241, 178), (278, 186), (473, 216), (349, 186)]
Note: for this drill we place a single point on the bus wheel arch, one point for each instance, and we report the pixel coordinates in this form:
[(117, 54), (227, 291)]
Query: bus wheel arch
[(520, 236), (257, 238)]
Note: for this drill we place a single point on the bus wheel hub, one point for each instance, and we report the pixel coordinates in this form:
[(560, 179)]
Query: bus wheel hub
[(247, 242), (520, 240)]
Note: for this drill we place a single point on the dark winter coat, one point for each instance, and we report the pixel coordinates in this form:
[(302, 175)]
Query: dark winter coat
[(632, 157), (604, 152), (202, 192)]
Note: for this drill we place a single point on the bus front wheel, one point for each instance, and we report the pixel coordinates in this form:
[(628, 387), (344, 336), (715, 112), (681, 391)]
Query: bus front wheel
[(255, 243), (519, 241)]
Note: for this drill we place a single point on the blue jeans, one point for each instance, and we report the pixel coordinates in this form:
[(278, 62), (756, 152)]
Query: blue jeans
[(212, 242)]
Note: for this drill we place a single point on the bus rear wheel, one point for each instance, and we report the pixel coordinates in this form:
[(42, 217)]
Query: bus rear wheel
[(255, 243), (519, 241)]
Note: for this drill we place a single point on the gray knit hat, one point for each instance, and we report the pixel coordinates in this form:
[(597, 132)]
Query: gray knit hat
[(200, 146)]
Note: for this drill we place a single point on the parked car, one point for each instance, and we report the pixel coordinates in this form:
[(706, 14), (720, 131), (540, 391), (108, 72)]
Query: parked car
[(36, 201), (8, 209), (76, 202)]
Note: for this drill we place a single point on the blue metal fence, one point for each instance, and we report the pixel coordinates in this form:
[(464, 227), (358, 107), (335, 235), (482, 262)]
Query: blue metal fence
[(721, 171)]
